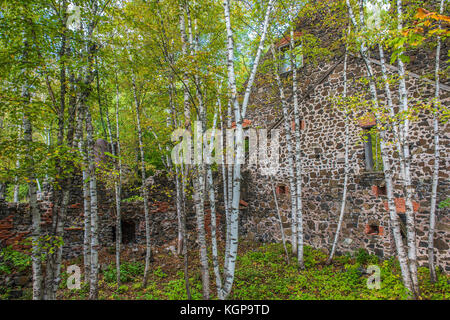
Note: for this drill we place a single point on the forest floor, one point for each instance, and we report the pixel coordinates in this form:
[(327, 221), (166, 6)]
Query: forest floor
[(261, 273)]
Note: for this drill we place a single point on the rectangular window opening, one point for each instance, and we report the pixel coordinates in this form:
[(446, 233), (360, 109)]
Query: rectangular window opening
[(286, 59), (372, 151)]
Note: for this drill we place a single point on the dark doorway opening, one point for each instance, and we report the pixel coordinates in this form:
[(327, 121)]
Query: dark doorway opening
[(128, 229), (372, 229)]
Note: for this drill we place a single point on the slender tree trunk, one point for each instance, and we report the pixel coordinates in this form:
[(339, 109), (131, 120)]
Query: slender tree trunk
[(16, 183), (434, 184), (212, 201), (175, 170), (229, 151), (394, 219), (290, 156), (283, 238), (99, 100), (199, 179), (185, 167), (144, 187), (199, 188), (184, 170), (346, 165), (118, 188), (116, 181), (409, 190), (298, 159), (239, 116), (34, 209), (61, 218), (86, 197), (93, 290)]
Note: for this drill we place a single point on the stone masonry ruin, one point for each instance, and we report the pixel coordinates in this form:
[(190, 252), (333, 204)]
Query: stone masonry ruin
[(366, 222)]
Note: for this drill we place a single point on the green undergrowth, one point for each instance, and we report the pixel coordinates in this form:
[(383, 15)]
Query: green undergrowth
[(13, 261), (263, 273)]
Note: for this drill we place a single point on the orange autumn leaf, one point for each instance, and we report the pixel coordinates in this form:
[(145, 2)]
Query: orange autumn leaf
[(442, 18), (422, 13)]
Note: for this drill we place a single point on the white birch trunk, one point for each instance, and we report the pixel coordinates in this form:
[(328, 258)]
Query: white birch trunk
[(16, 185), (175, 170), (34, 209), (298, 159), (346, 164), (93, 279), (410, 215), (229, 180), (212, 201), (290, 155), (283, 237), (435, 180), (87, 214), (199, 179), (394, 219), (86, 197), (239, 115), (185, 167), (117, 181), (144, 187)]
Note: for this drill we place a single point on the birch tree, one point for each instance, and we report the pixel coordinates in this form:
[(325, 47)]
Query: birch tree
[(277, 208), (144, 189), (118, 187), (346, 160), (298, 159), (290, 154), (387, 169), (239, 115), (435, 179), (212, 202), (34, 209), (405, 136), (86, 197), (185, 167), (199, 179)]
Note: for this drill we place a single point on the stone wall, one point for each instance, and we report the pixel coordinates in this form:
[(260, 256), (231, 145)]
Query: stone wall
[(366, 222), (15, 219)]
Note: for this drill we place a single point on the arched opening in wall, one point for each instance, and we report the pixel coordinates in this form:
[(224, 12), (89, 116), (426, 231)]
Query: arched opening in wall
[(128, 228)]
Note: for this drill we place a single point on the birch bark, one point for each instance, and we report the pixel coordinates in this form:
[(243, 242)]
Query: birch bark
[(144, 186), (283, 237), (388, 174), (117, 180), (346, 162), (212, 201), (298, 159), (436, 157), (86, 196), (239, 113), (410, 215), (290, 155), (94, 246), (184, 167), (35, 213)]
